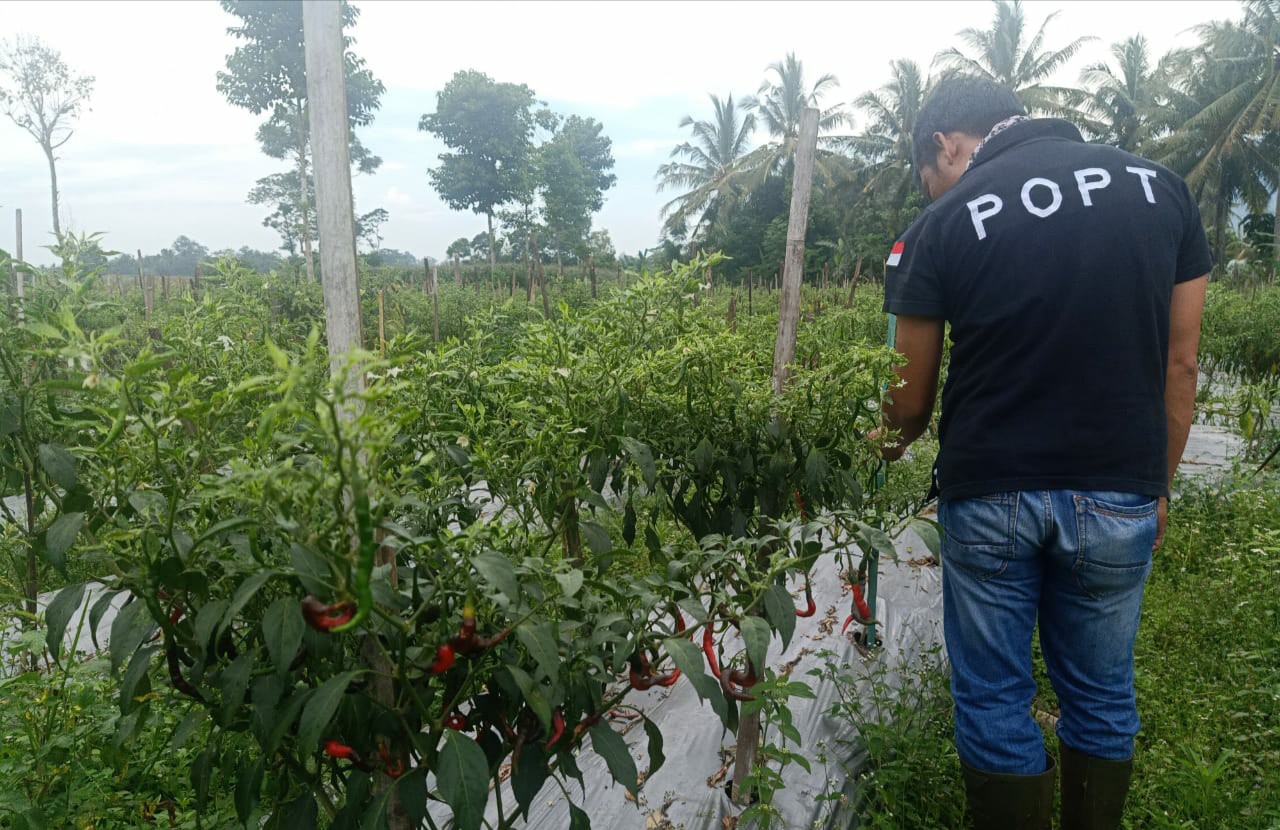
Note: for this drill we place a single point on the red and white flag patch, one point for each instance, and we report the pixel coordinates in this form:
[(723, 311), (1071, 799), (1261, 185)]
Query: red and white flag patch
[(895, 256)]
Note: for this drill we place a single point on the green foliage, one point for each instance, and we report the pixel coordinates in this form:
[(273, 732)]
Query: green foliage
[(489, 127)]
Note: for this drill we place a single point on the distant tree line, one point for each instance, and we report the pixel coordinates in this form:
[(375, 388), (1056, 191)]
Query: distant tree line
[(1211, 112)]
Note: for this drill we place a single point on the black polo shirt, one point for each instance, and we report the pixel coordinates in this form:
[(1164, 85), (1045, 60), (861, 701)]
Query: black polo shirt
[(1054, 261)]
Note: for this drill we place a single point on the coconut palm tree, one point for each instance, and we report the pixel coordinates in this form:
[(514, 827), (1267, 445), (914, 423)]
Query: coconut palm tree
[(1117, 102), (1004, 54), (710, 169), (884, 147), (1228, 101)]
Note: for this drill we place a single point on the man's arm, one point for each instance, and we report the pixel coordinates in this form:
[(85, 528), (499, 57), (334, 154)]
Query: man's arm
[(1185, 312), (919, 339)]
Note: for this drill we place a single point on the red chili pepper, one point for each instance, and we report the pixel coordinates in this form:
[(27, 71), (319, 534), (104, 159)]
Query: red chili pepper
[(666, 681), (709, 649), (745, 679), (456, 722), (557, 728), (444, 660), (323, 617), (726, 685), (393, 768), (809, 610), (679, 621), (861, 604), (847, 622), (334, 749)]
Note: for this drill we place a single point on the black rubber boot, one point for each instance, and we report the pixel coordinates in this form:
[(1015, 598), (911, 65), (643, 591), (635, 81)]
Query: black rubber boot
[(1001, 801), (1093, 790)]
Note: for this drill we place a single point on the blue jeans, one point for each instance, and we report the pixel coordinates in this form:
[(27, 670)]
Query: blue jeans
[(1079, 561)]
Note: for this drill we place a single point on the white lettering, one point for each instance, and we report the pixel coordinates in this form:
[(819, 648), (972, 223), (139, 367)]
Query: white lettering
[(1091, 178), (1146, 175), (994, 205), (1044, 211)]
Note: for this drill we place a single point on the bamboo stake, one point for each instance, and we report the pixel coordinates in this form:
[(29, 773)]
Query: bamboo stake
[(19, 278), (382, 325), (435, 304)]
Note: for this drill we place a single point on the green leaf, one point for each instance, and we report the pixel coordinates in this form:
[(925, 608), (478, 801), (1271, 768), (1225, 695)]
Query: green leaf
[(610, 746), (135, 682), (243, 594), (201, 773), (780, 609), (689, 660), (643, 456), (282, 630), (187, 726), (540, 640), (930, 533), (208, 618), (578, 820), (319, 711), (59, 465), (529, 775), (132, 627), (597, 537), (97, 612), (59, 538), (248, 790), (570, 582), (533, 695), (234, 681), (60, 611), (656, 758), (462, 776), (498, 571), (756, 635), (703, 457)]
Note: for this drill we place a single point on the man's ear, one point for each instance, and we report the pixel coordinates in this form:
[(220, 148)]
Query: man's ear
[(948, 147)]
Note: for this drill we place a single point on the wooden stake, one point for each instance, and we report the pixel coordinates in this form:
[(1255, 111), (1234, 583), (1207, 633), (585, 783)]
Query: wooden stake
[(140, 270), (330, 140), (149, 296), (195, 283), (853, 286), (435, 304), (733, 312), (591, 269), (382, 325), (426, 275), (19, 279), (750, 281), (783, 354)]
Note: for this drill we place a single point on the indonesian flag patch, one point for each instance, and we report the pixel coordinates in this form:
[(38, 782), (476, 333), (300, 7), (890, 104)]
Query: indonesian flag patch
[(895, 256)]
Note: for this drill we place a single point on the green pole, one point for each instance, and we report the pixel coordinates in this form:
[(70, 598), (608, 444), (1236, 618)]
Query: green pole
[(873, 566)]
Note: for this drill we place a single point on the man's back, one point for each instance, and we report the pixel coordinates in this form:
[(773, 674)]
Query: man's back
[(1054, 262)]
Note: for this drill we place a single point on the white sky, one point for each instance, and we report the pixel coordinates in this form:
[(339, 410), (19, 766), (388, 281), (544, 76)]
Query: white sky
[(162, 153)]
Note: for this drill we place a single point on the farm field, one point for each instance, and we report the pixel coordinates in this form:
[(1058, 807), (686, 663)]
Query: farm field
[(532, 449)]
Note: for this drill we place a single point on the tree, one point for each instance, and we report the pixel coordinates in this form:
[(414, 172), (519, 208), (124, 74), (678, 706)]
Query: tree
[(1003, 54), (710, 169), (779, 103), (1227, 105), (1128, 104), (459, 248), (574, 167), (885, 145), (267, 74), (369, 227), (489, 128), (42, 96)]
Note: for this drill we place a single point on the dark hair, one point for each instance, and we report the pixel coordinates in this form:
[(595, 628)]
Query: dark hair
[(960, 104)]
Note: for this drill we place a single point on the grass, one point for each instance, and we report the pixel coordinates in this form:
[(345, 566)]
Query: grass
[(1208, 677)]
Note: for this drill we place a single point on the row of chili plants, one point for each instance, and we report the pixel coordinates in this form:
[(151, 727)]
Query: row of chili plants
[(434, 588)]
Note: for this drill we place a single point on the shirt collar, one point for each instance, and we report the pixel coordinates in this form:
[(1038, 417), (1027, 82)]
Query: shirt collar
[(1019, 132)]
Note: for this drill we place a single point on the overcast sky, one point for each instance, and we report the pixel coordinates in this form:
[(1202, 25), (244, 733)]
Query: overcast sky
[(163, 154)]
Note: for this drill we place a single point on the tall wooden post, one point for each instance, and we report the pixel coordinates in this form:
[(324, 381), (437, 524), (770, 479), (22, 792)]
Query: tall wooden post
[(19, 279), (195, 283), (457, 269), (382, 325), (620, 286), (426, 275), (140, 269), (783, 353), (591, 269), (750, 282), (789, 303), (853, 285), (435, 304), (330, 140)]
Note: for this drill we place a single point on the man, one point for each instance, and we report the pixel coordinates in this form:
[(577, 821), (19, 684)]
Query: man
[(1073, 278)]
